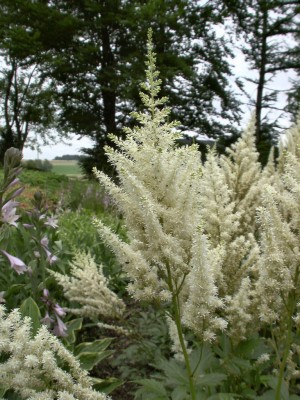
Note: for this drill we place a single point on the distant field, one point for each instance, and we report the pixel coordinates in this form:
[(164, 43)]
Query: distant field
[(66, 167)]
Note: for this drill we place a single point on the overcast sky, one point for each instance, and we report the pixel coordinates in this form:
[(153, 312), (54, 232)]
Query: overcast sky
[(281, 82)]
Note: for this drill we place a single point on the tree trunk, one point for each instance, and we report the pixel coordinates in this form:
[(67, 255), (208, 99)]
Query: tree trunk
[(262, 74)]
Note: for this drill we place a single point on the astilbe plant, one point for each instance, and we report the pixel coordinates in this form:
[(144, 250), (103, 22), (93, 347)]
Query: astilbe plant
[(234, 242), (39, 367), (167, 258), (216, 245), (87, 286), (277, 291)]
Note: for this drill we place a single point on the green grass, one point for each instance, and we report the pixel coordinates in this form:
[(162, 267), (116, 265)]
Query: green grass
[(66, 167)]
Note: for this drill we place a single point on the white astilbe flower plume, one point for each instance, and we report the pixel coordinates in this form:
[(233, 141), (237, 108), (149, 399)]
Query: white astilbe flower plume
[(243, 172), (158, 195), (278, 265), (221, 222), (31, 366), (199, 311), (87, 285)]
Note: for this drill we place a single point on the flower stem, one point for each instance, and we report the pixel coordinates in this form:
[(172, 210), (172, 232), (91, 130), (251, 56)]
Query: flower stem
[(291, 305), (177, 320)]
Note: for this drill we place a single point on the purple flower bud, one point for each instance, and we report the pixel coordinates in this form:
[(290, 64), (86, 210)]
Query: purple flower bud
[(13, 183), (46, 293), (17, 193), (28, 226), (60, 329), (15, 263)]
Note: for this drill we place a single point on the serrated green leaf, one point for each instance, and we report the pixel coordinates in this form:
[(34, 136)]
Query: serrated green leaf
[(29, 308), (224, 396), (272, 382), (180, 393), (175, 373), (202, 359), (241, 363), (210, 379), (153, 389), (269, 395), (252, 348)]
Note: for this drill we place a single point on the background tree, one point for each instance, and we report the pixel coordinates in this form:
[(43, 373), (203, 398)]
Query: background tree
[(28, 94), (94, 58), (267, 28)]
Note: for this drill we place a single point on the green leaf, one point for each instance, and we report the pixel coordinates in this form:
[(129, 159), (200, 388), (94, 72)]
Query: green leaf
[(11, 395), (210, 379), (29, 308), (15, 288), (89, 360), (202, 359), (180, 393), (106, 385), (269, 395), (72, 326), (252, 348), (93, 347), (175, 373), (154, 390), (272, 381), (225, 396)]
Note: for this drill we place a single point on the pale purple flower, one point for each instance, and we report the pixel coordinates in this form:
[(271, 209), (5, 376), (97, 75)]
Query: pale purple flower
[(51, 221), (8, 211), (60, 329), (59, 310), (45, 242), (47, 320), (17, 264), (2, 299), (51, 258)]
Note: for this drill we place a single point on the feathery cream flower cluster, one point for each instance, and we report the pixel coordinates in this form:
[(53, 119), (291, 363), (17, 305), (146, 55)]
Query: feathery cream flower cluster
[(278, 284), (158, 196), (193, 230), (87, 285), (31, 366)]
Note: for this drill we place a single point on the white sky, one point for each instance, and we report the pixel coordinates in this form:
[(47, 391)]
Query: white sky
[(281, 82), (51, 151)]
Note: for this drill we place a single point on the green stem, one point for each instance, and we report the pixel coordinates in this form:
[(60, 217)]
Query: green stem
[(283, 362), (291, 305), (177, 320)]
